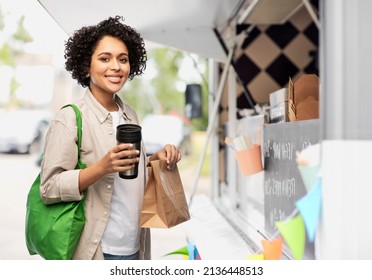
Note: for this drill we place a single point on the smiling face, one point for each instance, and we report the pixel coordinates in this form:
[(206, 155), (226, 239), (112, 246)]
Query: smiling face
[(109, 67)]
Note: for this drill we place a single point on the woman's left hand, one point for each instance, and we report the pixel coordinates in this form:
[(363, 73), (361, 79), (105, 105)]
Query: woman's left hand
[(170, 153)]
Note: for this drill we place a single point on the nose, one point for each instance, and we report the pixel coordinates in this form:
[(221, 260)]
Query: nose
[(115, 64)]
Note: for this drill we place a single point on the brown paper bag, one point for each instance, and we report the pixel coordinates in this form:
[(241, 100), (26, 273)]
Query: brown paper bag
[(164, 202)]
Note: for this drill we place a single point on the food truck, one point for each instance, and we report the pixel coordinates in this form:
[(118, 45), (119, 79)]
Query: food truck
[(288, 130)]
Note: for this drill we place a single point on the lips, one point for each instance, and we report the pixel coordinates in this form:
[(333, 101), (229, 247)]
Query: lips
[(114, 79)]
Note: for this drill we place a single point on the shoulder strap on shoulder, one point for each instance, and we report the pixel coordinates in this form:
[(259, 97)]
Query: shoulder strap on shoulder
[(79, 124)]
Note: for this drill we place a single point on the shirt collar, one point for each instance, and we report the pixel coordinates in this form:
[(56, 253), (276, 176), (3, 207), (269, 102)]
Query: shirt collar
[(100, 111)]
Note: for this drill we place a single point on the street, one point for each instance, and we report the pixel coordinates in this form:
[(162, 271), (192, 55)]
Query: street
[(17, 175)]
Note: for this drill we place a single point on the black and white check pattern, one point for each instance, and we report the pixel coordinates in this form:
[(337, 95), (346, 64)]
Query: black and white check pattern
[(272, 54)]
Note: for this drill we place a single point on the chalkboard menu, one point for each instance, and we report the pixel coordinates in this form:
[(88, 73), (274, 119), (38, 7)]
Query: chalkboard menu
[(283, 184)]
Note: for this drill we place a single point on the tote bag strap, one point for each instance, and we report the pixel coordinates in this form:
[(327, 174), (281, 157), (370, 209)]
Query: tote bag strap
[(79, 124)]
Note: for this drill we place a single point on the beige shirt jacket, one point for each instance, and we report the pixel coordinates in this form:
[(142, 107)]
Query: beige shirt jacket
[(60, 180)]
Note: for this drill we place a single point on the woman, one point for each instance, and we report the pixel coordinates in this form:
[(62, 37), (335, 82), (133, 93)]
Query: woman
[(101, 58)]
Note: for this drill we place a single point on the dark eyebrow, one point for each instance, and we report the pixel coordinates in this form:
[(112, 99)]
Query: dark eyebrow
[(108, 53)]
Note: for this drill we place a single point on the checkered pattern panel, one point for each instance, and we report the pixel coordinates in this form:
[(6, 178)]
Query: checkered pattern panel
[(271, 55)]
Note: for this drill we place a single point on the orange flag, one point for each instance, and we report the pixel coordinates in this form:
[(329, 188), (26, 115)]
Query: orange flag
[(272, 249)]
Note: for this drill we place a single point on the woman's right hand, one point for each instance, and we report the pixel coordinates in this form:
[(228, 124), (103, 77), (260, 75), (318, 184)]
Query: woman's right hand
[(119, 158)]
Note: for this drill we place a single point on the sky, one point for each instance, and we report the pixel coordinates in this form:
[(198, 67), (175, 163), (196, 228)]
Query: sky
[(48, 36), (48, 39)]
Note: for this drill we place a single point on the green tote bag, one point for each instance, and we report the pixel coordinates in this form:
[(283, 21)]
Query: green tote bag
[(53, 231)]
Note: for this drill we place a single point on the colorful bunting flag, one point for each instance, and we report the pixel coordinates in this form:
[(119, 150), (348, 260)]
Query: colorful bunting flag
[(293, 232), (189, 251), (193, 251), (272, 249), (310, 207), (309, 175), (181, 251), (257, 257)]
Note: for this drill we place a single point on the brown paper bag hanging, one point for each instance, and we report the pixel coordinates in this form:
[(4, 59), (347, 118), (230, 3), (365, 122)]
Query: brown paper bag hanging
[(164, 202)]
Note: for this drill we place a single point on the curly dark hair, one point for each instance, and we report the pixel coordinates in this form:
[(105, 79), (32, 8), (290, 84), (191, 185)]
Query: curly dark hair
[(81, 45)]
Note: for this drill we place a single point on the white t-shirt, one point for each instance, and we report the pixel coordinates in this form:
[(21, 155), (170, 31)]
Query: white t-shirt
[(122, 233)]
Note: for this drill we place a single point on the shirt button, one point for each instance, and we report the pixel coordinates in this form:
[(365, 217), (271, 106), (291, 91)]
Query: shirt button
[(109, 186), (96, 241), (105, 214)]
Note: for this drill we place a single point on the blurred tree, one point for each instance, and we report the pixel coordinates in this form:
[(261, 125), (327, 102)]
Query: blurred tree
[(2, 24), (6, 56), (159, 90), (136, 93), (21, 35), (167, 63), (11, 49)]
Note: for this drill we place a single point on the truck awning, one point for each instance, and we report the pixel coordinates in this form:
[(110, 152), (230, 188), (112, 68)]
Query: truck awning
[(185, 25)]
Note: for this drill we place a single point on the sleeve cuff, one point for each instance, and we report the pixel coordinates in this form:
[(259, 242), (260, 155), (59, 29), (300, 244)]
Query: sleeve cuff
[(69, 184)]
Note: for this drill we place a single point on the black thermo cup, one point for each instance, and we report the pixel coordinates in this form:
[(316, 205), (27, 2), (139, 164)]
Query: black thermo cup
[(129, 133)]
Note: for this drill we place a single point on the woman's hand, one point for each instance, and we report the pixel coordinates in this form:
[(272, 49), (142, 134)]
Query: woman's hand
[(120, 158), (170, 153)]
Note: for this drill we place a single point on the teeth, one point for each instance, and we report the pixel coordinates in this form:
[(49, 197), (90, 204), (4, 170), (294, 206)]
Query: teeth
[(114, 79)]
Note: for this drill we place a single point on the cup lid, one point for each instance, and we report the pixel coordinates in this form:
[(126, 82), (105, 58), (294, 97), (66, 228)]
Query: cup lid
[(128, 133)]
